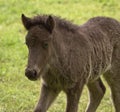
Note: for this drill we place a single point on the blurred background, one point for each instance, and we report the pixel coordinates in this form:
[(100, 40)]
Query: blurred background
[(17, 93)]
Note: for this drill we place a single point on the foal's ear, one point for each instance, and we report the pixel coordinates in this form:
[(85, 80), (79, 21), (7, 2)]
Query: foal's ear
[(26, 21), (50, 23)]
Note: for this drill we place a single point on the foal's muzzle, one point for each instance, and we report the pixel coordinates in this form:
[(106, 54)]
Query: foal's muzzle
[(31, 74)]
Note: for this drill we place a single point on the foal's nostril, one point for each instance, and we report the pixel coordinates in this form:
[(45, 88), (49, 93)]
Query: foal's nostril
[(34, 73), (27, 72)]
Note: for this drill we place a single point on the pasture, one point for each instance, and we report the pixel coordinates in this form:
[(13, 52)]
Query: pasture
[(17, 93)]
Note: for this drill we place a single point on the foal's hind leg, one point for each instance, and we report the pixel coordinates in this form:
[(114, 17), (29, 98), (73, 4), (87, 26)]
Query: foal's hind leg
[(113, 78), (96, 91), (114, 83)]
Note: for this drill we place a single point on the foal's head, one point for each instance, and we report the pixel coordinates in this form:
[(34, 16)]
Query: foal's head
[(38, 41)]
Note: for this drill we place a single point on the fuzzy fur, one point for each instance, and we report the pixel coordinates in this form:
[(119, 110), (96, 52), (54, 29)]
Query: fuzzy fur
[(77, 55)]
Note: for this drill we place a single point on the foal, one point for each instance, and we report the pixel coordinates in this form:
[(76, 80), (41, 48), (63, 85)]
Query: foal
[(67, 56)]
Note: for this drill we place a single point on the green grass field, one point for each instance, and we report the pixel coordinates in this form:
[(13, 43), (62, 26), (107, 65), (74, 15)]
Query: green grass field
[(17, 93)]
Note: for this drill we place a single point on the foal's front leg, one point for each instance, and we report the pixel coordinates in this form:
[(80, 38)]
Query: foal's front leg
[(48, 95), (73, 96)]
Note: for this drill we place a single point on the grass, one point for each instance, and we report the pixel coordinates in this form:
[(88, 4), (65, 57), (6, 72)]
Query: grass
[(17, 94)]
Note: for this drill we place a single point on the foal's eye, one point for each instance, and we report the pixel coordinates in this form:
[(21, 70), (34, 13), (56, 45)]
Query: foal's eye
[(45, 45)]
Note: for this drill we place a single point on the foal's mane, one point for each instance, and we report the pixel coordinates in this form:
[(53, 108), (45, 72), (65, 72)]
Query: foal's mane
[(61, 23)]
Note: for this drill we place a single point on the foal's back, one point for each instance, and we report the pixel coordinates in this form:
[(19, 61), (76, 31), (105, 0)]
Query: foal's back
[(108, 25)]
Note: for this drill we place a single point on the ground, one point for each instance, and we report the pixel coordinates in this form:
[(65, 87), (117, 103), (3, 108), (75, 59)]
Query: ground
[(17, 93)]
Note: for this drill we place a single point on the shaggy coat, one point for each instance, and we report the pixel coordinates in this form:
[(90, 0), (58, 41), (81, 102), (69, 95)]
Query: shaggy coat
[(68, 56)]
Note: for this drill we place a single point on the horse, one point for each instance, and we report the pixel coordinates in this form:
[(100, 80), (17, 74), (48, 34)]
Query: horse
[(68, 56)]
